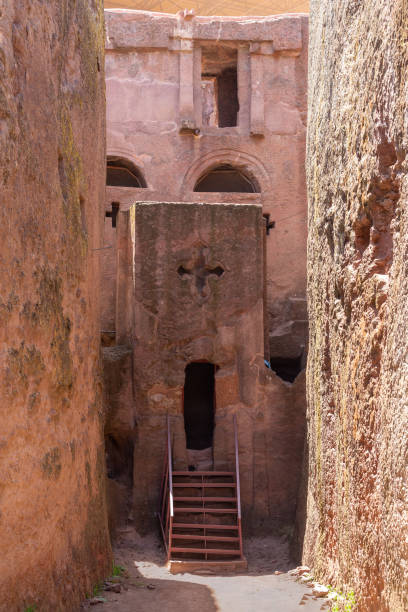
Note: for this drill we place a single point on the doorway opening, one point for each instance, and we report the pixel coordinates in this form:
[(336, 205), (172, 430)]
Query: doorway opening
[(199, 408)]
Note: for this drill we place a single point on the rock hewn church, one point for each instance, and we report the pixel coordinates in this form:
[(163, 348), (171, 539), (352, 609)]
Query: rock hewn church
[(202, 334), (206, 216)]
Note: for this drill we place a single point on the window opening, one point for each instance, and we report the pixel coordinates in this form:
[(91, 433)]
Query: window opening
[(122, 173), (226, 178), (219, 85), (285, 367)]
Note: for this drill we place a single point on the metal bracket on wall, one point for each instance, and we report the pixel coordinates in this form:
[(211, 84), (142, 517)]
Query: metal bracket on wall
[(268, 224), (189, 127)]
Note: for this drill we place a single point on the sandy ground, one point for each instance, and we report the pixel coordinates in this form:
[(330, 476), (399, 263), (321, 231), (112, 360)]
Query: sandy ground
[(149, 587)]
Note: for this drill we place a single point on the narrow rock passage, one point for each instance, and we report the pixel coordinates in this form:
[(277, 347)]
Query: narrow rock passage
[(149, 587)]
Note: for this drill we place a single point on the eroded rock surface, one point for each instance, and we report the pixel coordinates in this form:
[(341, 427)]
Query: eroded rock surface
[(357, 526), (157, 68), (53, 536), (208, 113), (190, 290)]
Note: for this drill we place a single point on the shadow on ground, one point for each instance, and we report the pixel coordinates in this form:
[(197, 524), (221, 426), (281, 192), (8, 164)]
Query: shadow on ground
[(149, 587)]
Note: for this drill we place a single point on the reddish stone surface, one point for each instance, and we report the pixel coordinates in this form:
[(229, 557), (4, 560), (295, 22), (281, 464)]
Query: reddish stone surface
[(53, 535), (168, 321), (357, 521), (156, 121), (153, 79), (212, 7)]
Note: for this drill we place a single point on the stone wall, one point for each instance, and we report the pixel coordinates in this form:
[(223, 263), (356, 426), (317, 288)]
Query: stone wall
[(214, 7), (154, 65), (53, 536), (357, 528), (167, 319), (158, 122)]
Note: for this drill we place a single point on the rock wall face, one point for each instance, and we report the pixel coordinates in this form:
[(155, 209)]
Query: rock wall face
[(53, 536), (157, 67), (191, 290), (166, 122), (357, 529), (215, 8)]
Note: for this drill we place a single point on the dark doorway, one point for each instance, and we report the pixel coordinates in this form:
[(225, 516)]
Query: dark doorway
[(228, 105), (199, 405)]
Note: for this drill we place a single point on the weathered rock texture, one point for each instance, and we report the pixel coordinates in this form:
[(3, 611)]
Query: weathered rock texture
[(171, 320), (53, 536), (154, 85), (214, 7), (170, 120), (357, 529)]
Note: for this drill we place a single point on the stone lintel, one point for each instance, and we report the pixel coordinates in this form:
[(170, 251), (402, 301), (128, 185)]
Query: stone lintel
[(127, 30)]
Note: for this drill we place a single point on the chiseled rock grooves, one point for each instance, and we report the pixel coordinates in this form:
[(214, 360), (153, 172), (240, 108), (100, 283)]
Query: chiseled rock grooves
[(357, 526), (54, 544)]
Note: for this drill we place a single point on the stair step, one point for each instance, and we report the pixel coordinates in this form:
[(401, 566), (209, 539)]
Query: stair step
[(195, 474), (201, 538), (202, 526), (204, 499), (210, 551), (219, 485), (208, 510)]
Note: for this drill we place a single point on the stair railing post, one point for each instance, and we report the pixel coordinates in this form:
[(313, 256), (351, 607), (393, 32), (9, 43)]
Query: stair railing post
[(164, 501), (238, 485), (171, 504)]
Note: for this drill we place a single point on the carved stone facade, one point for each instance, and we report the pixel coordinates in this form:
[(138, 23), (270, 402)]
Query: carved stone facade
[(209, 111)]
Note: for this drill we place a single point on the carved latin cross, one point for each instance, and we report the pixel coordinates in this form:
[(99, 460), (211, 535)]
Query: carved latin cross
[(198, 271)]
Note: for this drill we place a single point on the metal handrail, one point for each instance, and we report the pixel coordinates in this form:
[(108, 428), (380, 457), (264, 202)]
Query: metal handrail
[(163, 510), (237, 467), (238, 484), (170, 460), (166, 512), (171, 504), (167, 507)]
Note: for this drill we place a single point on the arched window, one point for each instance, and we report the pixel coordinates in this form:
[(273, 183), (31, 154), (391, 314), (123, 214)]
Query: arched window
[(121, 172), (226, 178)]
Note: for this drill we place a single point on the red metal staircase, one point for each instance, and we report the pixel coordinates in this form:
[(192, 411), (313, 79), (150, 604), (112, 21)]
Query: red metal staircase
[(200, 516)]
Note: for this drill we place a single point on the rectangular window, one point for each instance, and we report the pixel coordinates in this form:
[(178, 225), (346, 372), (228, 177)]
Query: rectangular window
[(219, 84)]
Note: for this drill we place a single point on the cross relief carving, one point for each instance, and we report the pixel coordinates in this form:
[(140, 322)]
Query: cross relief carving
[(198, 270)]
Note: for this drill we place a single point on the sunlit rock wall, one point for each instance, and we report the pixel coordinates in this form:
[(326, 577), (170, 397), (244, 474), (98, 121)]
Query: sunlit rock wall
[(53, 537), (357, 529)]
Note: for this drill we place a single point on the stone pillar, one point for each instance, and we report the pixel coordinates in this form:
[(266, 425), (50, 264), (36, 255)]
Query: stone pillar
[(244, 87), (124, 288), (184, 35), (198, 107), (257, 123)]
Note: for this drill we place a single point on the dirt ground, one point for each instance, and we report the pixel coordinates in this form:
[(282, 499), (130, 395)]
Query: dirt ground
[(149, 587)]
